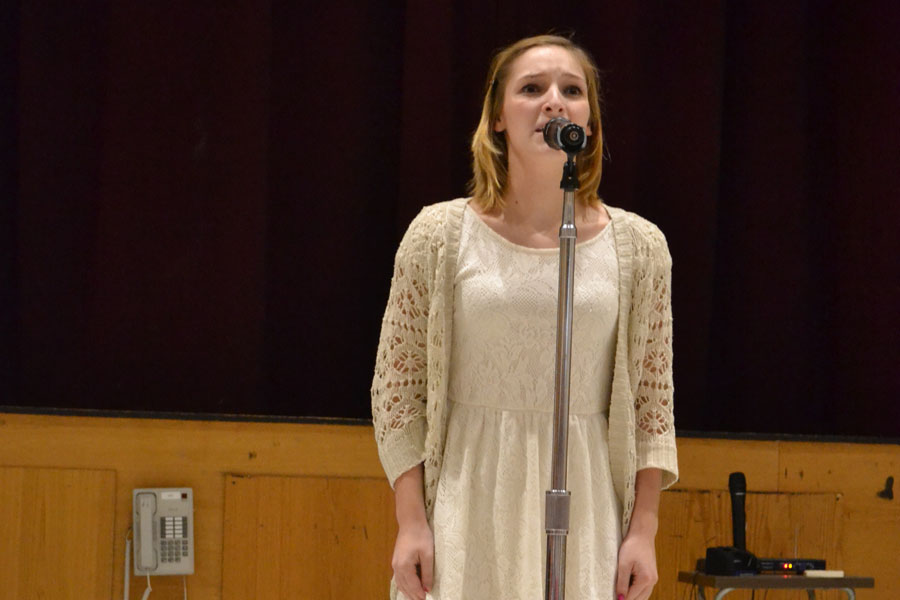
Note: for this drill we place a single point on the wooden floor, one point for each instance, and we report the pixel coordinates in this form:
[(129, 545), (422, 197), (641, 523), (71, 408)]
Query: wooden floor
[(303, 511)]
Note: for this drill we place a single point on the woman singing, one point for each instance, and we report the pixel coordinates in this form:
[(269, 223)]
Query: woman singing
[(463, 391)]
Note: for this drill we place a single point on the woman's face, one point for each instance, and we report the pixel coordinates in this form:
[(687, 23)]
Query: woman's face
[(544, 83)]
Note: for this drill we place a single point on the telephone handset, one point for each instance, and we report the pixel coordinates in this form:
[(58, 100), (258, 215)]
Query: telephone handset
[(163, 531)]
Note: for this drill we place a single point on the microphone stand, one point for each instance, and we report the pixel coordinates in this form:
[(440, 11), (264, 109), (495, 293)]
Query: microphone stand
[(557, 497)]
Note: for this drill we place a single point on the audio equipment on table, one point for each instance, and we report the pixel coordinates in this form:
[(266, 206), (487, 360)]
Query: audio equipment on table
[(735, 559)]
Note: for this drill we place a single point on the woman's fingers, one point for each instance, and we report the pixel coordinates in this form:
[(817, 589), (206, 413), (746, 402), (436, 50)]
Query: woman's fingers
[(413, 560), (636, 573), (427, 568), (623, 579), (408, 581), (641, 585)]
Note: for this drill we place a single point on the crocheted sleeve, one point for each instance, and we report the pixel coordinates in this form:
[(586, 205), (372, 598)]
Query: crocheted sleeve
[(399, 385), (654, 411)]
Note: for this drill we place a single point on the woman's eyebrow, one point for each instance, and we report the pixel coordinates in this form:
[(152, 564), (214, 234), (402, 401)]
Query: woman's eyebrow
[(540, 74)]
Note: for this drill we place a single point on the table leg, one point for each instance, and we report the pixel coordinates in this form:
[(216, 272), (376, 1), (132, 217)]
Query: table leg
[(811, 594)]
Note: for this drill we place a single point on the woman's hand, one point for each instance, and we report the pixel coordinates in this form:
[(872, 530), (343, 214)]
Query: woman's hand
[(413, 560), (636, 574)]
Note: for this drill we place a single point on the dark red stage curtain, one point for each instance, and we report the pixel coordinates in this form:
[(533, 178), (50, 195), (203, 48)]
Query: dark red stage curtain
[(206, 197)]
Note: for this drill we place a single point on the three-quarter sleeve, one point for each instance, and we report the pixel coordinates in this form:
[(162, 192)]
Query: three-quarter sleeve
[(399, 386), (654, 411)]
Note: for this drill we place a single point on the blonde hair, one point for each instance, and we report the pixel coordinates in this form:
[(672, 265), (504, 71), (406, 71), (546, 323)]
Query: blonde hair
[(490, 161)]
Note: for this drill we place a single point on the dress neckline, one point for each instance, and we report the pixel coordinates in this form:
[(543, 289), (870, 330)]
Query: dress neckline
[(528, 249)]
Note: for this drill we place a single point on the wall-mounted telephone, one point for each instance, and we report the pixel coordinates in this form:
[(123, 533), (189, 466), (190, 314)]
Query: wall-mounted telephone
[(163, 531)]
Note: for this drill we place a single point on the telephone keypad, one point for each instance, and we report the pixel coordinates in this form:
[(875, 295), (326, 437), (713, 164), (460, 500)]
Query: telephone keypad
[(173, 542)]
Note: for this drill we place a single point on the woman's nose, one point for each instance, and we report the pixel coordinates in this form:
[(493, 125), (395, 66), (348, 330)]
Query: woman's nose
[(554, 103)]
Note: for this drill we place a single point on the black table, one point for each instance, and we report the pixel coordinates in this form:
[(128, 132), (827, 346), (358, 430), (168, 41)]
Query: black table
[(729, 583)]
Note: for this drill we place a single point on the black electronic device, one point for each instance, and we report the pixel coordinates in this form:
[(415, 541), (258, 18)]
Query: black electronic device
[(728, 560), (790, 565), (736, 560), (737, 487), (733, 560)]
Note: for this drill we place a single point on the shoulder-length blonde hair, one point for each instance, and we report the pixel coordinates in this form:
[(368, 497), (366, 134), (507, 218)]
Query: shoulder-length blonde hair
[(490, 161)]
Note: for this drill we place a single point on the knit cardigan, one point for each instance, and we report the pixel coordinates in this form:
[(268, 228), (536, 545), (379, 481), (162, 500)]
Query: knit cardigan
[(409, 389)]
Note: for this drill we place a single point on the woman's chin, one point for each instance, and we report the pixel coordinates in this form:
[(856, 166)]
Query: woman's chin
[(536, 152)]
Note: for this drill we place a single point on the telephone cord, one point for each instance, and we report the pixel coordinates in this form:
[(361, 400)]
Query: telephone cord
[(127, 565)]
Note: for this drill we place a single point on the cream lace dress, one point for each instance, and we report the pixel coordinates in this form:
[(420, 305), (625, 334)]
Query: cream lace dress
[(488, 517)]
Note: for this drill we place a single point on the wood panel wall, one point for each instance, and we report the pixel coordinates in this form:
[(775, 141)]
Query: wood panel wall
[(295, 511), (338, 529), (56, 533)]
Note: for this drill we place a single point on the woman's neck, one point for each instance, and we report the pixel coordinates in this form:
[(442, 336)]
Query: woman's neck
[(533, 198)]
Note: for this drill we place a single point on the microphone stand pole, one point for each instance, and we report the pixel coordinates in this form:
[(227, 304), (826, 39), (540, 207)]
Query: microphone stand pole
[(557, 498)]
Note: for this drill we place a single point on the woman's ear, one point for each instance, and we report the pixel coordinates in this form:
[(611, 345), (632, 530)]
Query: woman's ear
[(498, 124)]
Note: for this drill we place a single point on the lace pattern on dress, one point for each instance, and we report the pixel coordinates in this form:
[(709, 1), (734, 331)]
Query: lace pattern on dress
[(400, 373), (400, 380), (650, 354), (409, 388), (653, 400)]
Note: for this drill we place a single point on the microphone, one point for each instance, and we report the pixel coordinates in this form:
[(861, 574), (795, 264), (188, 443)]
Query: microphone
[(734, 559), (563, 134), (737, 485)]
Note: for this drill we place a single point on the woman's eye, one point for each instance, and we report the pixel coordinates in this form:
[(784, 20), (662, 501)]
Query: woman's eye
[(573, 90), (530, 88)]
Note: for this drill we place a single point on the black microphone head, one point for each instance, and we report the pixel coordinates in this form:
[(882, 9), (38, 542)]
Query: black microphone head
[(562, 134), (737, 483), (551, 131)]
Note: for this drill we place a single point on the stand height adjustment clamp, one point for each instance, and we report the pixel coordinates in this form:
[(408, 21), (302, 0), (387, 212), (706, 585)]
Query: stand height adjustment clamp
[(557, 511)]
